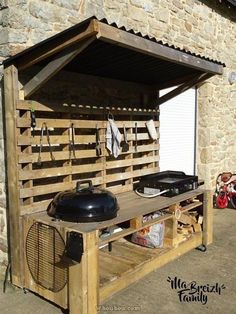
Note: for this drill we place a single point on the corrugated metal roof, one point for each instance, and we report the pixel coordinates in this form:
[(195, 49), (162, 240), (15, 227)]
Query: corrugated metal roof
[(116, 53), (160, 42), (81, 25), (106, 60)]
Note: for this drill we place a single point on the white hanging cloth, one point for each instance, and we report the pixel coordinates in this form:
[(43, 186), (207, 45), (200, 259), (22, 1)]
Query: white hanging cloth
[(113, 138)]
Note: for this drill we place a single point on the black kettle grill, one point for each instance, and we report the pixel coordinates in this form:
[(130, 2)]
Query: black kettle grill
[(84, 204)]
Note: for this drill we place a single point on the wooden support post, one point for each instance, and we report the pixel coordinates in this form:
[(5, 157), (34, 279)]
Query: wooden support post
[(207, 218), (170, 238), (185, 86), (83, 283), (54, 66), (50, 48), (136, 222), (11, 98)]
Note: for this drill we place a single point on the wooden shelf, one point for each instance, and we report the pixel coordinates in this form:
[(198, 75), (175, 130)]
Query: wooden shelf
[(128, 262), (129, 231), (190, 206)]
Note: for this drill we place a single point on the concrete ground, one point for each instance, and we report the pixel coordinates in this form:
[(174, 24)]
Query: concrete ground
[(214, 270)]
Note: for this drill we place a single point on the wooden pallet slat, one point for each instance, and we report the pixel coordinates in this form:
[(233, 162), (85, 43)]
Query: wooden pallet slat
[(59, 171), (131, 174), (87, 153), (80, 124), (24, 140), (117, 175), (52, 188), (128, 162)]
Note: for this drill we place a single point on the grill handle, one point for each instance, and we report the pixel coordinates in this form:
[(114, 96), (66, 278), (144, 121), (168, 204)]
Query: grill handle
[(90, 186)]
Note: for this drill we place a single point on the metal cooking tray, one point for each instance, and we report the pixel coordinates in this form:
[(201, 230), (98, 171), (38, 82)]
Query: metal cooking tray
[(176, 181)]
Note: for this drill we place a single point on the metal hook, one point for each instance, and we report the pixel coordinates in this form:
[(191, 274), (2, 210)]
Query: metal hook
[(110, 115)]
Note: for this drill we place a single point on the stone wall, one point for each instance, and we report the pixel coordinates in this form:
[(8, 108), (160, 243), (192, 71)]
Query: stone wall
[(205, 27)]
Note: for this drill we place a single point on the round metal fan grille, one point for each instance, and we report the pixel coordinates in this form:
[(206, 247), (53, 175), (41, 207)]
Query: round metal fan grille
[(44, 251)]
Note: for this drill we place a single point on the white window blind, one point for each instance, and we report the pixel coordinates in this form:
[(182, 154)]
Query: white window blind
[(177, 132)]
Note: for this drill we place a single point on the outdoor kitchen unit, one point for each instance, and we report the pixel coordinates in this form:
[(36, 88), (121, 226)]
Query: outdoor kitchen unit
[(59, 97)]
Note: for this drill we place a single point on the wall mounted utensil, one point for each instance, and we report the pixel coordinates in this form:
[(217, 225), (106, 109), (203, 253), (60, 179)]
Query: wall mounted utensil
[(125, 146), (72, 141), (151, 129), (44, 128), (98, 143)]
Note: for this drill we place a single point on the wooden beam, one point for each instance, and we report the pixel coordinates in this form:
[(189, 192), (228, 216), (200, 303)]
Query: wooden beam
[(182, 88), (175, 82), (207, 218), (83, 286), (122, 38), (54, 66), (15, 235), (51, 46)]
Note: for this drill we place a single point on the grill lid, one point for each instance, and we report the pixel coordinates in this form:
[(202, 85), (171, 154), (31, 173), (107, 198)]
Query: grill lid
[(84, 204)]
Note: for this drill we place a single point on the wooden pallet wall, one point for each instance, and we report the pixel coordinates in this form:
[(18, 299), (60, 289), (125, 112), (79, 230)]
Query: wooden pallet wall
[(39, 183)]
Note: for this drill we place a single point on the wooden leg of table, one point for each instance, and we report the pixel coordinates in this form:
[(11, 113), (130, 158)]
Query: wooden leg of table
[(207, 218), (136, 222), (84, 278), (171, 232), (93, 273)]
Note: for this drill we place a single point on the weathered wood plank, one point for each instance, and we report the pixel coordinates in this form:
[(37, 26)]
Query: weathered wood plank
[(54, 66), (79, 139), (59, 171), (128, 162), (142, 269), (15, 235), (57, 187), (87, 153), (53, 188), (174, 82), (190, 206), (127, 175), (83, 278), (208, 218), (45, 51), (81, 124), (136, 224), (35, 207), (182, 88), (93, 272)]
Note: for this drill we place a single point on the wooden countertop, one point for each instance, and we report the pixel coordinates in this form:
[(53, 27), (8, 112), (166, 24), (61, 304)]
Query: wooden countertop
[(131, 206)]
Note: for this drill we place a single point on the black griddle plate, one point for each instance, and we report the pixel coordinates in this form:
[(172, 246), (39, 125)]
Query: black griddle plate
[(176, 182)]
